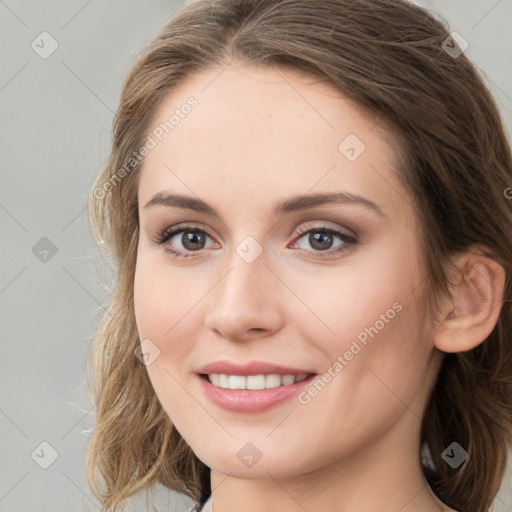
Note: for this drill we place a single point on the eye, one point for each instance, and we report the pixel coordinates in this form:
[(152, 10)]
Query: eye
[(192, 240), (321, 239)]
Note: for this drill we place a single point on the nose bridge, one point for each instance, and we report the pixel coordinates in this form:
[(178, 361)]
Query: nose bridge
[(244, 298)]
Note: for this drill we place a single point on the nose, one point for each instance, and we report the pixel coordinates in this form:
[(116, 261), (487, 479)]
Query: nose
[(246, 301)]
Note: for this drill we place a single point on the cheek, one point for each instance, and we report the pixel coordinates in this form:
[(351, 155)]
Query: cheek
[(167, 306), (158, 310), (160, 299), (348, 304), (380, 362), (367, 330)]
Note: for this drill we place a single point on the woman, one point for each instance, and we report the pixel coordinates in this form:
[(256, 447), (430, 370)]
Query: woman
[(308, 206)]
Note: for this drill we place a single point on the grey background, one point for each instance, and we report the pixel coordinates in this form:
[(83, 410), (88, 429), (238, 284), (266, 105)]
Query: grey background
[(56, 116)]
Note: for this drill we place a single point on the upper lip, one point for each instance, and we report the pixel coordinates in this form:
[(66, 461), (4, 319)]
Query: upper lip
[(251, 368)]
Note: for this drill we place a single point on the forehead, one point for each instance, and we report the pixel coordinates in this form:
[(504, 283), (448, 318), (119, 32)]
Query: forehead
[(261, 132)]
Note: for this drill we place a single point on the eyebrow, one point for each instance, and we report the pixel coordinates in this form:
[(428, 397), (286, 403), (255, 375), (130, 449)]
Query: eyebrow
[(293, 204)]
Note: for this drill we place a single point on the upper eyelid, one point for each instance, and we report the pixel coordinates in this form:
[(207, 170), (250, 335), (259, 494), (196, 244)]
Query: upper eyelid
[(324, 224)]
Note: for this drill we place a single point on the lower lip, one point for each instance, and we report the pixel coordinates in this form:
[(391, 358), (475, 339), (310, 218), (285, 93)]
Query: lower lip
[(244, 400)]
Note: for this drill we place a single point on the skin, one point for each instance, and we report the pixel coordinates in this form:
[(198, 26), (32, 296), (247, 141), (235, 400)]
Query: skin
[(256, 137)]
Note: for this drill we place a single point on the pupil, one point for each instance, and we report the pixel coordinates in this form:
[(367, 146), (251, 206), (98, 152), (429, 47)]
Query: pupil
[(317, 239), (191, 239)]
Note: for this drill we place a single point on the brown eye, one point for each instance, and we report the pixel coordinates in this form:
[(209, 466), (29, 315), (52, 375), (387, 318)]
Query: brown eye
[(321, 239), (193, 240)]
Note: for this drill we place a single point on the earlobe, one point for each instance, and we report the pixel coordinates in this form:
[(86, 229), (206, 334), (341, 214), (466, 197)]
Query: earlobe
[(474, 310)]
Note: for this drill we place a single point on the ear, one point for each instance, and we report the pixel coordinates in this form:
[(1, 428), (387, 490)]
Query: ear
[(472, 313)]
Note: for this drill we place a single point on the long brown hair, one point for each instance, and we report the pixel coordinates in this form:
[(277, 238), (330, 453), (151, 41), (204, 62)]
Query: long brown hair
[(391, 58)]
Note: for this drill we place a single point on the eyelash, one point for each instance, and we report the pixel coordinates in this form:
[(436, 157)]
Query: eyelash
[(167, 233)]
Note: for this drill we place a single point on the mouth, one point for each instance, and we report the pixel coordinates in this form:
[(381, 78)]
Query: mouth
[(252, 386), (254, 382), (252, 393)]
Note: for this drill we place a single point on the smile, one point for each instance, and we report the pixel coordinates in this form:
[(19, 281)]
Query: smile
[(253, 382), (251, 393)]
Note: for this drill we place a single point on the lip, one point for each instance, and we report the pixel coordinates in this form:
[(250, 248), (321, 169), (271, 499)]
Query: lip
[(250, 401), (251, 368)]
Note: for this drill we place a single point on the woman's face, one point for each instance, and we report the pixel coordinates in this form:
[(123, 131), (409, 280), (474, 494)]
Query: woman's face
[(262, 281)]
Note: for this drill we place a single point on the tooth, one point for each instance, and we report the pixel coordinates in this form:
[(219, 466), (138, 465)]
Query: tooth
[(223, 381), (273, 380), (255, 382), (287, 379), (237, 382)]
